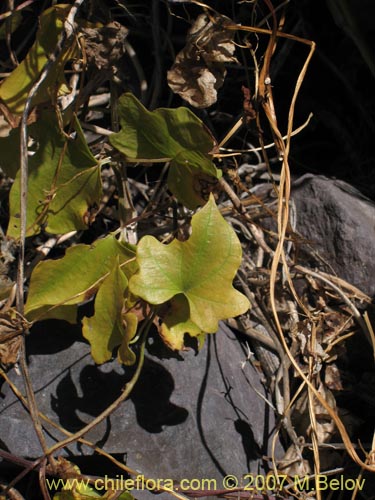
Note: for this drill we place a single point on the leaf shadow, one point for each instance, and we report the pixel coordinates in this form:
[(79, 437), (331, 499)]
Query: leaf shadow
[(151, 397), (51, 336)]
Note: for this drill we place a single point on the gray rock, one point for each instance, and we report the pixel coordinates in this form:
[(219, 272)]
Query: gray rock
[(339, 222), (190, 416)]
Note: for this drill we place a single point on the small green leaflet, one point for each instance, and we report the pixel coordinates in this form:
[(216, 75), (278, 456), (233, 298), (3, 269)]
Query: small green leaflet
[(201, 269), (174, 135)]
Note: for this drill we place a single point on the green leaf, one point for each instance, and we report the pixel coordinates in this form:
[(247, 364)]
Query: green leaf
[(15, 89), (105, 330), (170, 134), (64, 181), (191, 177), (177, 322), (201, 268), (76, 276), (64, 313), (125, 355)]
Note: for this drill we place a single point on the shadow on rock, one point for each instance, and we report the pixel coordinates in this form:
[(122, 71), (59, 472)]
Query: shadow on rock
[(249, 443), (151, 396), (52, 336)]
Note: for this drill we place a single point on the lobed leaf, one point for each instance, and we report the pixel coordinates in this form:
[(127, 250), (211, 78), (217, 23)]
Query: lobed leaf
[(16, 87), (170, 134), (105, 330), (177, 322), (64, 181), (201, 269), (59, 284)]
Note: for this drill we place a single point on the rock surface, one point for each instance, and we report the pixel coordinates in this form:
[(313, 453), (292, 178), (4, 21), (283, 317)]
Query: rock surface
[(191, 416), (339, 222)]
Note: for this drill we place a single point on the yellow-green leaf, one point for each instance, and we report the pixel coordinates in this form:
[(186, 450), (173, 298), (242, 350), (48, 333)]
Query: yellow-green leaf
[(64, 181), (130, 323), (201, 268), (15, 89), (174, 134), (105, 330), (56, 284), (191, 178), (177, 322)]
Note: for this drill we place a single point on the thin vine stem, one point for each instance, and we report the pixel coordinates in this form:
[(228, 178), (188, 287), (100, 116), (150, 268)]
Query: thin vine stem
[(66, 34), (124, 395)]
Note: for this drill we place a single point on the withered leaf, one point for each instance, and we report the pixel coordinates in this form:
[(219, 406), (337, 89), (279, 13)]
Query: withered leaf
[(324, 425), (11, 331), (293, 462), (332, 378), (199, 69), (105, 45)]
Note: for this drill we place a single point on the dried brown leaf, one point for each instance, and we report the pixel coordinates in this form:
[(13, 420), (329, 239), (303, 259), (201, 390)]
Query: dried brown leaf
[(11, 331), (293, 464), (324, 425), (104, 46), (199, 69), (332, 378)]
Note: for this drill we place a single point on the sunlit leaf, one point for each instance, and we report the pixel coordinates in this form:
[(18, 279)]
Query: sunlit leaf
[(130, 323), (105, 330), (65, 313), (15, 89), (201, 268), (64, 181), (177, 322), (174, 134), (75, 277)]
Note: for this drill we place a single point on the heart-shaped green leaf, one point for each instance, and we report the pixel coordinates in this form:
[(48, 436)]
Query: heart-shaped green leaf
[(59, 284), (64, 181), (105, 330), (15, 89), (201, 268), (176, 135)]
